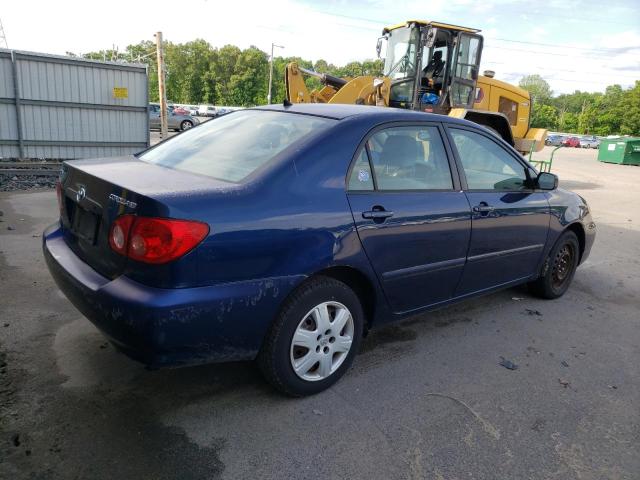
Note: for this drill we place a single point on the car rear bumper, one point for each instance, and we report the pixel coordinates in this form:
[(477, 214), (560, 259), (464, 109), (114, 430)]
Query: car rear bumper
[(169, 327)]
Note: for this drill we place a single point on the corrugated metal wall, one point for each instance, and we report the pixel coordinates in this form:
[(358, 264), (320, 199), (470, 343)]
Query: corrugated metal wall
[(64, 107)]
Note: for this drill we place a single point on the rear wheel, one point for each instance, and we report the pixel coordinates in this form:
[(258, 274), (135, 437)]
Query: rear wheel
[(559, 269), (314, 338)]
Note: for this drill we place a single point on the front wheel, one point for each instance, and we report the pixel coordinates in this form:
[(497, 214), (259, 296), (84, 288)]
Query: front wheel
[(185, 125), (314, 338), (559, 269)]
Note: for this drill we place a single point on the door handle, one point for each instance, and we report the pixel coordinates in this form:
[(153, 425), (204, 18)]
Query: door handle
[(484, 207), (377, 214)]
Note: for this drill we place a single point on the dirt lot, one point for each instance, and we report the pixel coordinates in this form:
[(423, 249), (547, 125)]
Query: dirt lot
[(425, 399)]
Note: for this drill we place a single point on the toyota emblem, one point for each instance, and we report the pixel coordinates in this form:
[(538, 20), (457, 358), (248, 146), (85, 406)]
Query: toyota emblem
[(80, 194)]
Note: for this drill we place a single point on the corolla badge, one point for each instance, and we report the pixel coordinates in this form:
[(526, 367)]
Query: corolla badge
[(80, 194), (122, 201)]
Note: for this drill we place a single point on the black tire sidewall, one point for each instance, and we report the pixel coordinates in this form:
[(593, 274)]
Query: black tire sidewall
[(567, 237), (312, 294), (183, 123)]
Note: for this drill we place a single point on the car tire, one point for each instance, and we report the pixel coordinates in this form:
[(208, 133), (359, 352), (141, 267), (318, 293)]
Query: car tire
[(185, 125), (303, 353), (559, 268)]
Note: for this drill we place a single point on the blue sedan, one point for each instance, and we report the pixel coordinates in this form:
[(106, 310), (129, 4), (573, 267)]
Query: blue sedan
[(285, 233)]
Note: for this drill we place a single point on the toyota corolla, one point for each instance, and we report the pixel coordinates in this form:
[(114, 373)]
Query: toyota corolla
[(285, 233)]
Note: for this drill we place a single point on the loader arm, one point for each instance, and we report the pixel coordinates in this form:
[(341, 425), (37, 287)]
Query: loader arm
[(363, 90)]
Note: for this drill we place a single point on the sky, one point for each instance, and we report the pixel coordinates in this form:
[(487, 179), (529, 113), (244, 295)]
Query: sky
[(574, 45)]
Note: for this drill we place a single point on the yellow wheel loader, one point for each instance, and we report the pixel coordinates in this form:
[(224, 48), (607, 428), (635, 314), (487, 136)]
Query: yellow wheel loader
[(431, 67)]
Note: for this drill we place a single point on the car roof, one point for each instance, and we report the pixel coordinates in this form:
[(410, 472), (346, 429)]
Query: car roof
[(342, 111)]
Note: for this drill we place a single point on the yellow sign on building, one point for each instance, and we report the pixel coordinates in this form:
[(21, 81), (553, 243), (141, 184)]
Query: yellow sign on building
[(120, 92)]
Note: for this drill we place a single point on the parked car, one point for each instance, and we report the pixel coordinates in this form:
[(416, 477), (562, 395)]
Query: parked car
[(207, 111), (176, 121), (589, 142), (554, 140), (283, 234), (193, 110), (571, 142), (180, 110)]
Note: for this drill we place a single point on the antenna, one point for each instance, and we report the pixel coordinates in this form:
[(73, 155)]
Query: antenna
[(3, 37)]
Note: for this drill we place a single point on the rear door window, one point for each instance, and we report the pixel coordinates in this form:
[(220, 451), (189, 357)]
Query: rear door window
[(233, 146), (409, 158)]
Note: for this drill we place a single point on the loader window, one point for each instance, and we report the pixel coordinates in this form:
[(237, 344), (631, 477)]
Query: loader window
[(400, 61), (466, 62), (509, 108)]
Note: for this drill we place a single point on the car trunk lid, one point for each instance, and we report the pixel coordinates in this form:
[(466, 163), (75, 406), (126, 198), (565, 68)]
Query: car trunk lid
[(96, 192)]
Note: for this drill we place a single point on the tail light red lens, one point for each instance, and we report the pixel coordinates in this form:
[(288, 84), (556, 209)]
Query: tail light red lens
[(155, 240)]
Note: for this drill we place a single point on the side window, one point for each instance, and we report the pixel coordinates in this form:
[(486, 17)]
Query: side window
[(509, 108), (410, 158), (361, 178), (486, 164)]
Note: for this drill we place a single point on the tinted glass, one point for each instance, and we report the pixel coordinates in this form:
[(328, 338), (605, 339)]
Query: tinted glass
[(361, 178), (410, 158), (486, 164), (233, 146)]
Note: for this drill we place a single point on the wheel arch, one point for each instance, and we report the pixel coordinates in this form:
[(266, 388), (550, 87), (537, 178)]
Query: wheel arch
[(358, 282), (578, 229), (495, 121)]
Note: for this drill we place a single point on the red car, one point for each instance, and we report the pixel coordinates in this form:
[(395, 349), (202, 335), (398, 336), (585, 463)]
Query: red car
[(179, 111), (571, 142)]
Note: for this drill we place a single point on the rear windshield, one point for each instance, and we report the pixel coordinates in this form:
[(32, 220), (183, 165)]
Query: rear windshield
[(231, 147)]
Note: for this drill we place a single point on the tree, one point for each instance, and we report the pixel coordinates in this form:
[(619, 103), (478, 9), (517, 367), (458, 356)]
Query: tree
[(545, 116), (538, 87)]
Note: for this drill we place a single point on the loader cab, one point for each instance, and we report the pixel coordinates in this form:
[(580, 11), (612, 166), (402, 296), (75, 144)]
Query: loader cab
[(432, 66)]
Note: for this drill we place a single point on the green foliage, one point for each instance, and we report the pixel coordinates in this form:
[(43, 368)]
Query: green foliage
[(538, 87), (616, 111), (198, 73), (544, 116)]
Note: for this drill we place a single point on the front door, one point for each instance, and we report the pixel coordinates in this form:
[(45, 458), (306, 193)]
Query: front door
[(412, 218), (464, 74), (510, 221)]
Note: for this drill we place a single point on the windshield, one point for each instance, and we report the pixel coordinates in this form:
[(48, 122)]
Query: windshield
[(400, 61), (231, 147)]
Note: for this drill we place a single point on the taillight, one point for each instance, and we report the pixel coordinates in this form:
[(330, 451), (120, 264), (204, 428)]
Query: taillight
[(119, 234), (155, 240)]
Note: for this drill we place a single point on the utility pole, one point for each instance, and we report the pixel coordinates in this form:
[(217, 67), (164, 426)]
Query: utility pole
[(3, 37), (161, 87), (271, 71)]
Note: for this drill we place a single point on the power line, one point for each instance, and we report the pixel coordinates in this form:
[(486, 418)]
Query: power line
[(558, 45), (611, 50), (547, 67)]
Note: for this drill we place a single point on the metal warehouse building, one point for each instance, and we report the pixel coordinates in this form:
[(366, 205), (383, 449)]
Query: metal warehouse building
[(65, 107)]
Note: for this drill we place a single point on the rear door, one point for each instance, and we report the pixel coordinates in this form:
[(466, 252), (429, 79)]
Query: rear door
[(466, 64), (412, 218), (510, 221)]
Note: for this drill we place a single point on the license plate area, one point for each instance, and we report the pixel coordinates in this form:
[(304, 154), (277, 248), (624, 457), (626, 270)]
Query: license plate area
[(84, 224)]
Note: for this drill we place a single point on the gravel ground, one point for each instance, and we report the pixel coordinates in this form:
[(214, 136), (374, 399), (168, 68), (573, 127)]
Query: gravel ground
[(427, 398)]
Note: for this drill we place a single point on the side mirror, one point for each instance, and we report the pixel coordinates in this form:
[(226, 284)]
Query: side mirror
[(547, 181), (474, 73), (379, 46)]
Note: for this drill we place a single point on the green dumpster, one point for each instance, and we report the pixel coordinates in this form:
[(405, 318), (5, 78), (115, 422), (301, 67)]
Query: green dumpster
[(624, 150)]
